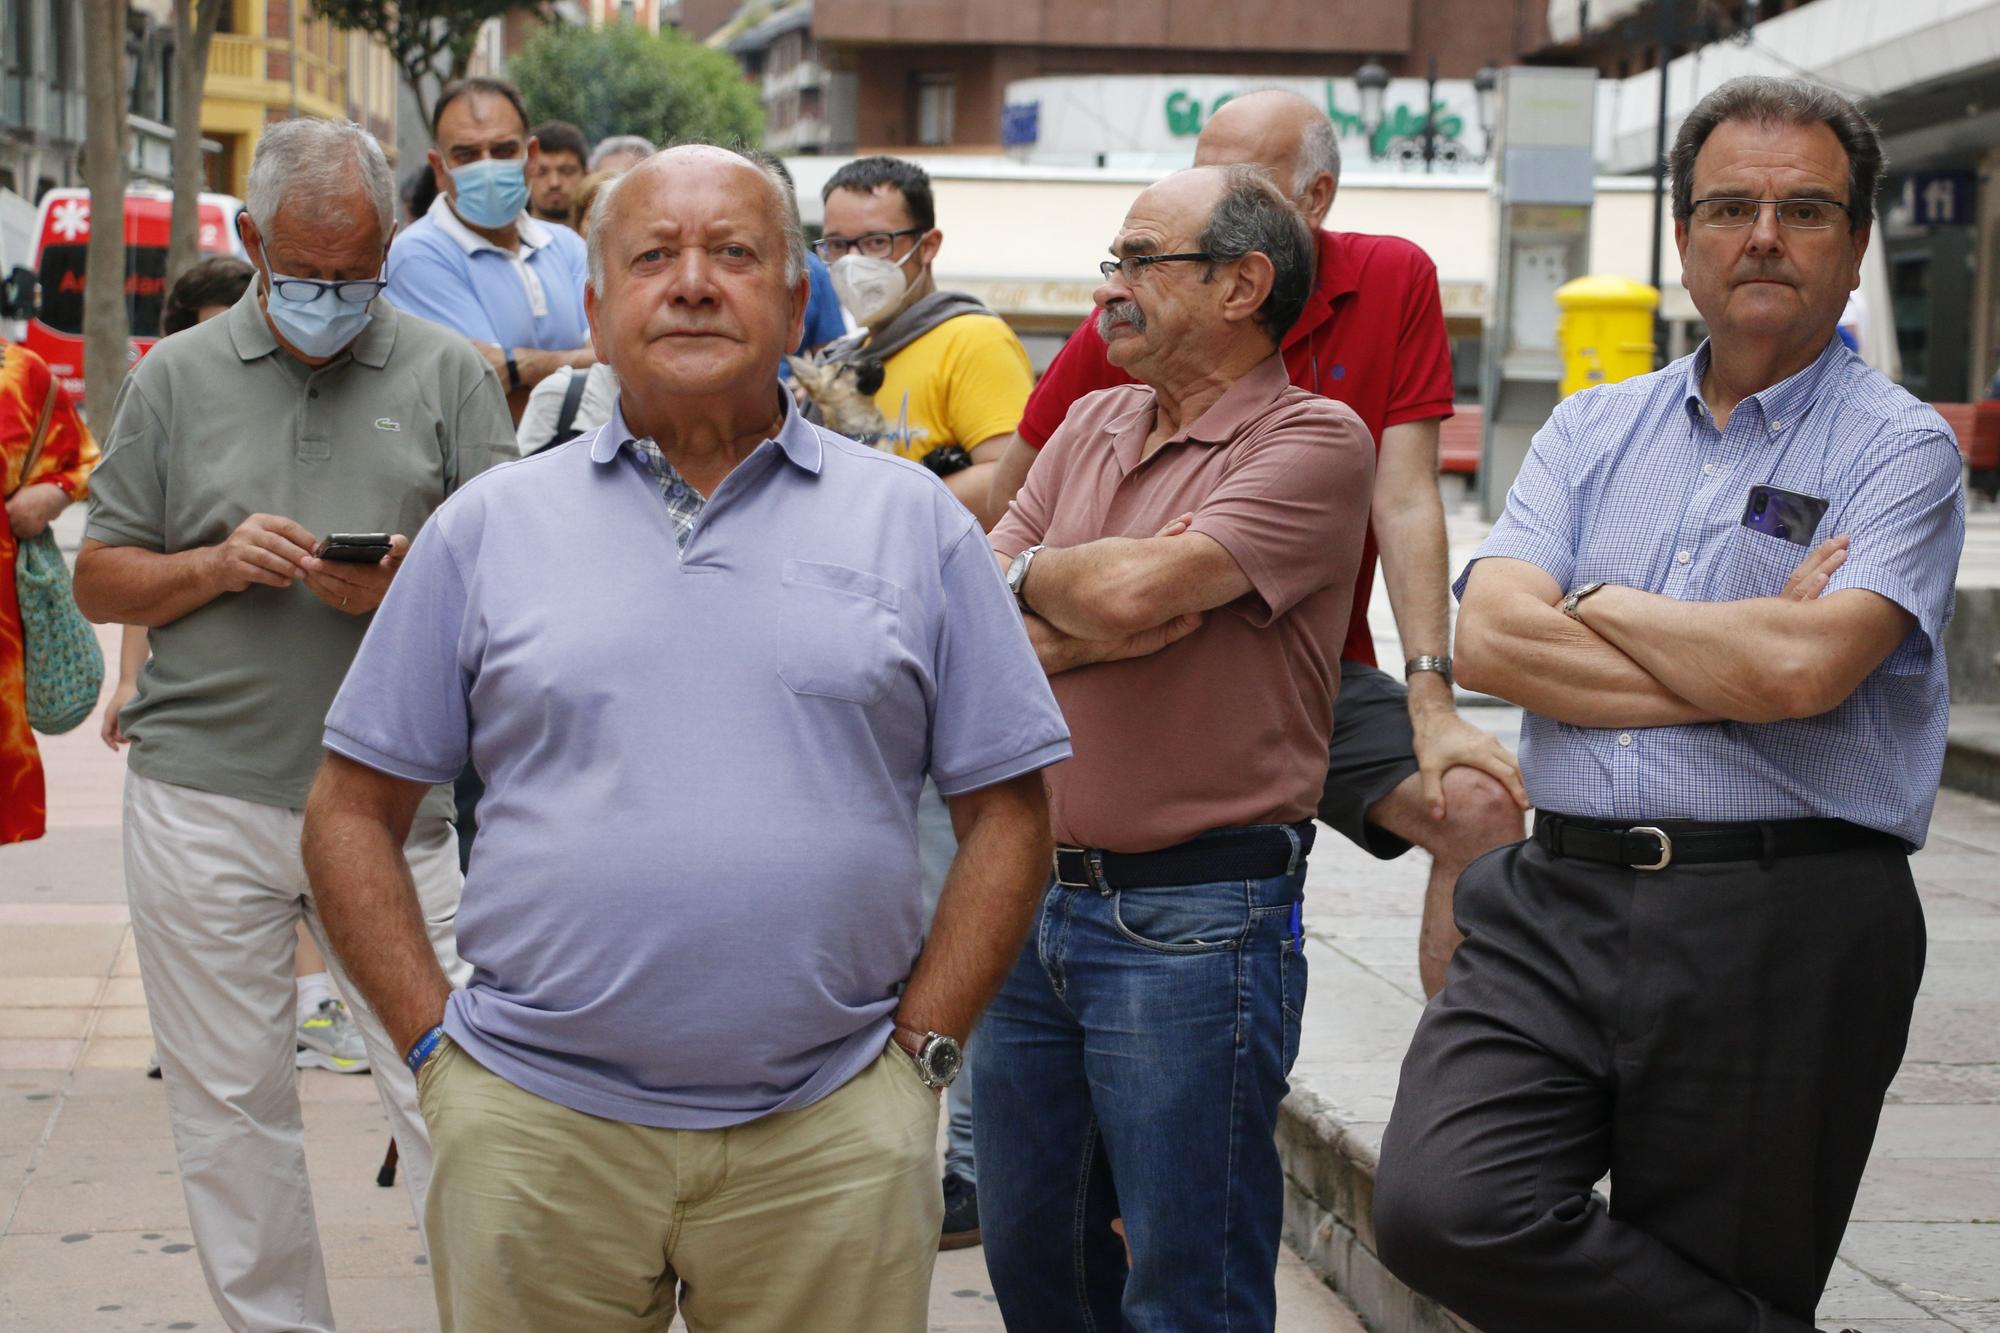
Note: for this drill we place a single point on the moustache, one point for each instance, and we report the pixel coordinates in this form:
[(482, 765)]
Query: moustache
[(1120, 312)]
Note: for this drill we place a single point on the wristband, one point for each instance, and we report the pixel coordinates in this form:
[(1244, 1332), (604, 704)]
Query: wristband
[(513, 374), (425, 1048)]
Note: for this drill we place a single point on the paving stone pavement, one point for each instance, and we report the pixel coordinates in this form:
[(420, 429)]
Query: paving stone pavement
[(1922, 1253), (93, 1230)]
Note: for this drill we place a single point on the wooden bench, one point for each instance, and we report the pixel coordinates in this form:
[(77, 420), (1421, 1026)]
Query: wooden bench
[(1458, 440)]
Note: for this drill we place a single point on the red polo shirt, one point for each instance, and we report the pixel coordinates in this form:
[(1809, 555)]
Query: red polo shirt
[(1371, 336)]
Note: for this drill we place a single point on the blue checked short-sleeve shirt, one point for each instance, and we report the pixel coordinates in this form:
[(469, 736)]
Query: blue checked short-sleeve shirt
[(1633, 484)]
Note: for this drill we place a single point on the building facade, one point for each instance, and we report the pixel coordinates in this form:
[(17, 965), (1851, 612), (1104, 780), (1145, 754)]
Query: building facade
[(902, 75), (272, 60)]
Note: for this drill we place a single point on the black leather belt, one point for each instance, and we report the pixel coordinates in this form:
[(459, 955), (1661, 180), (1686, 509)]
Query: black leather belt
[(1247, 853), (1684, 842)]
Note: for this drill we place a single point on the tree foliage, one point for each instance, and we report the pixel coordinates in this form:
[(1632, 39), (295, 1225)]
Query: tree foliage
[(429, 39), (621, 79)]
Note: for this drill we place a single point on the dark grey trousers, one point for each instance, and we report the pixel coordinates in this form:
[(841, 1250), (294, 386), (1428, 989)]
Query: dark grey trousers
[(1717, 1037)]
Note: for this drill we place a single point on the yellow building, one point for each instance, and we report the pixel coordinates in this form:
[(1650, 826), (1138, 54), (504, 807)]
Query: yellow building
[(273, 60)]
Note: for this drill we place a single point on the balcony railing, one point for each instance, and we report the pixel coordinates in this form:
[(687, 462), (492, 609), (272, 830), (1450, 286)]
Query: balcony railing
[(234, 56)]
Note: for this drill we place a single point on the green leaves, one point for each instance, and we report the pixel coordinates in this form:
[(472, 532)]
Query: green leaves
[(621, 79)]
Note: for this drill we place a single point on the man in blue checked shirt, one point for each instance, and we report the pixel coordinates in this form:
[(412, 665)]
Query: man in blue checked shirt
[(1721, 593)]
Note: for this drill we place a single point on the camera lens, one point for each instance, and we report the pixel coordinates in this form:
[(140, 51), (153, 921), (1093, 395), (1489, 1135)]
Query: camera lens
[(1762, 500)]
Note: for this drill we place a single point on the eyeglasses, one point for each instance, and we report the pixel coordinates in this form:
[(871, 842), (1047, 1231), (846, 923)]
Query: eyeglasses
[(355, 291), (1792, 214), (874, 244), (1131, 266)]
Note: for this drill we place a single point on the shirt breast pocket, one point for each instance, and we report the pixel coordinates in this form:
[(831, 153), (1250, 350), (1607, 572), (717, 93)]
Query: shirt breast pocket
[(839, 635), (1754, 564)]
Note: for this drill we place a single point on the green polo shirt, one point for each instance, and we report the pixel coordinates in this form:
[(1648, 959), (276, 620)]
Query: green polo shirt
[(220, 422)]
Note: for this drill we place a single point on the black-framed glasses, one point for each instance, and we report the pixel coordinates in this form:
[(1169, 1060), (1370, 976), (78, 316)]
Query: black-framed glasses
[(354, 291), (1792, 214), (874, 244), (1131, 266)]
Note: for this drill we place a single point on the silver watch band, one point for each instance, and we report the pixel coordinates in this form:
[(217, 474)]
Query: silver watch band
[(1428, 662)]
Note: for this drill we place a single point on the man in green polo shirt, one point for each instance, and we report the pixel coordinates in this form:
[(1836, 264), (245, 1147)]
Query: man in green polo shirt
[(236, 449)]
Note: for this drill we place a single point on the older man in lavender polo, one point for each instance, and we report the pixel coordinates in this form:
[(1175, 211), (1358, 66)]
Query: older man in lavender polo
[(704, 658), (1133, 1064)]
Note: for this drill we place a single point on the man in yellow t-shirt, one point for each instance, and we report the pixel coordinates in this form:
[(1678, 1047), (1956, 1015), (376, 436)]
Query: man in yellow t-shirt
[(954, 376)]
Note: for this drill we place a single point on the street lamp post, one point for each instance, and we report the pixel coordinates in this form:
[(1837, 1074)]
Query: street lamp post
[(1371, 82)]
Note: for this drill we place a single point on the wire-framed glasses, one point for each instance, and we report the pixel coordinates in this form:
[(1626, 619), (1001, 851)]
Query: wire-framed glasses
[(1793, 214), (1131, 266)]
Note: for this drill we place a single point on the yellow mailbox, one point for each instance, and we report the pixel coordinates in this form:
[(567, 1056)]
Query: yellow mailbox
[(1605, 330)]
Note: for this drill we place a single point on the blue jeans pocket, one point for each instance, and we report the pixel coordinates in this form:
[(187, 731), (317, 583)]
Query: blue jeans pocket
[(1184, 918), (1292, 990)]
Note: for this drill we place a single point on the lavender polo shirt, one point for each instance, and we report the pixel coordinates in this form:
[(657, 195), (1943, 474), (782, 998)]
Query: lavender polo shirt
[(696, 892)]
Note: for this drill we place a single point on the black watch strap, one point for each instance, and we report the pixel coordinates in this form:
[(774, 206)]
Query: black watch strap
[(513, 373)]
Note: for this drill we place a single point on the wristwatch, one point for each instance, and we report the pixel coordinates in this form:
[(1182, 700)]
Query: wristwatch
[(938, 1057), (1017, 575), (1429, 662), (1569, 602)]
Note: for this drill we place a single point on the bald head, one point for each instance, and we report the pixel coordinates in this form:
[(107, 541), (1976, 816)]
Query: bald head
[(1283, 135), (688, 163)]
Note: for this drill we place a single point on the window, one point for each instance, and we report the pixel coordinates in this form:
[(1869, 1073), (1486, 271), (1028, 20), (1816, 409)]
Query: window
[(62, 283), (937, 98)]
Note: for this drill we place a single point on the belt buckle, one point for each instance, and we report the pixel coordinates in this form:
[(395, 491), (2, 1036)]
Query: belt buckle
[(1056, 866), (1666, 846)]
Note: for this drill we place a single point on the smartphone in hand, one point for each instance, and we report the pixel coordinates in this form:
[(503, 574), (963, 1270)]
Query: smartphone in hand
[(356, 548)]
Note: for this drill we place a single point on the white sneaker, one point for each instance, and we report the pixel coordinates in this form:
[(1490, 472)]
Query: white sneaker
[(328, 1039)]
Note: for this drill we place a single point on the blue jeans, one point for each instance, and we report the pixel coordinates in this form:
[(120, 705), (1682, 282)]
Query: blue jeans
[(1132, 1066)]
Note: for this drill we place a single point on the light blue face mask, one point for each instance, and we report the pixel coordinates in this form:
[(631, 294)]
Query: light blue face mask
[(325, 323), (491, 192)]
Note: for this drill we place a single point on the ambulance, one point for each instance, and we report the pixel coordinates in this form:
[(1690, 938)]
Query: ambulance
[(62, 239)]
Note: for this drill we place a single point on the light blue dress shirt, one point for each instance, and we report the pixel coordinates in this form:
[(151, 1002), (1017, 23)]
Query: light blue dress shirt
[(696, 891), (1633, 484)]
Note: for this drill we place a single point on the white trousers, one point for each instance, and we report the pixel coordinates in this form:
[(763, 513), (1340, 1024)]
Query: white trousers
[(217, 887)]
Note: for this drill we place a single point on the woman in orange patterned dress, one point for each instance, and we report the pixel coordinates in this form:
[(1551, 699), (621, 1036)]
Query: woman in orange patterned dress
[(59, 477)]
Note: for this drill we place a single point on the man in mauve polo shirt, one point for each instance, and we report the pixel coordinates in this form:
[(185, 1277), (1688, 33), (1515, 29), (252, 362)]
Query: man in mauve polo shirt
[(1403, 768), (1185, 557), (704, 657)]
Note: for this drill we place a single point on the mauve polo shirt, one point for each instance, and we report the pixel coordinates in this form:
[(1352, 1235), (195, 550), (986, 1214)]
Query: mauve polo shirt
[(696, 891), (1229, 725)]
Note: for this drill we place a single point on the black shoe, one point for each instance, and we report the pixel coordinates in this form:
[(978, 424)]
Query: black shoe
[(961, 1214)]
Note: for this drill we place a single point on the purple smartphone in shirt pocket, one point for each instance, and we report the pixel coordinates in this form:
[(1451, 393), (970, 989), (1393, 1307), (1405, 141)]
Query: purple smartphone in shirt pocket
[(1783, 514)]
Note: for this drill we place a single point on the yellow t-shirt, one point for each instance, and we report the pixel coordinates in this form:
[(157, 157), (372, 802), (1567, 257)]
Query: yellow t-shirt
[(963, 383)]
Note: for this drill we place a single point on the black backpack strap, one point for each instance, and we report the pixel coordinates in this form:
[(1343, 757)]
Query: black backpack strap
[(572, 399)]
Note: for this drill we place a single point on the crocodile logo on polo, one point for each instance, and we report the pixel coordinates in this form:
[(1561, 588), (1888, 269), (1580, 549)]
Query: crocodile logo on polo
[(386, 423)]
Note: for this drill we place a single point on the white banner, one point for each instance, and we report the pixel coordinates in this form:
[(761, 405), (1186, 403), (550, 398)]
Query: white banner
[(1153, 120)]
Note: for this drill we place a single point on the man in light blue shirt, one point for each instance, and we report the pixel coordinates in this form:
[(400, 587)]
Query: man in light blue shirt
[(479, 261), (1720, 591), (704, 659)]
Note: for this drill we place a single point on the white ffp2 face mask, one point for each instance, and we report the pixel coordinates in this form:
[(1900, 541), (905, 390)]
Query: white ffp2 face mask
[(868, 287)]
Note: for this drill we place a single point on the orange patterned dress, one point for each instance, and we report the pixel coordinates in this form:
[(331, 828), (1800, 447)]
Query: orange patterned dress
[(68, 454)]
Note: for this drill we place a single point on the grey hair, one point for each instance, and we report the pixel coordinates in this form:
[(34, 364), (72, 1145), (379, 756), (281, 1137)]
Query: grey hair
[(1253, 216), (1768, 101), (310, 161), (619, 143), (781, 190), (1319, 150)]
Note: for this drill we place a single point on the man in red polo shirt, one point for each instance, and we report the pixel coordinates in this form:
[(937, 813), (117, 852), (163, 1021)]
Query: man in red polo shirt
[(1403, 767)]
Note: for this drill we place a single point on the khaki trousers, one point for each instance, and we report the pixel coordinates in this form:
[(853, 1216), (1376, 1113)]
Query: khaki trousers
[(217, 887), (541, 1217)]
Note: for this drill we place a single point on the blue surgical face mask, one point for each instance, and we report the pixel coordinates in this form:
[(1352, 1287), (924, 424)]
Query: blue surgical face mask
[(491, 192), (320, 326)]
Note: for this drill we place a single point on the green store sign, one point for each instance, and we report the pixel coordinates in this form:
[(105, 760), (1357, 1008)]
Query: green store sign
[(1186, 115)]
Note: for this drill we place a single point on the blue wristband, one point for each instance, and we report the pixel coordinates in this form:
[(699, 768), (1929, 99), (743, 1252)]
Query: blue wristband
[(425, 1048)]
